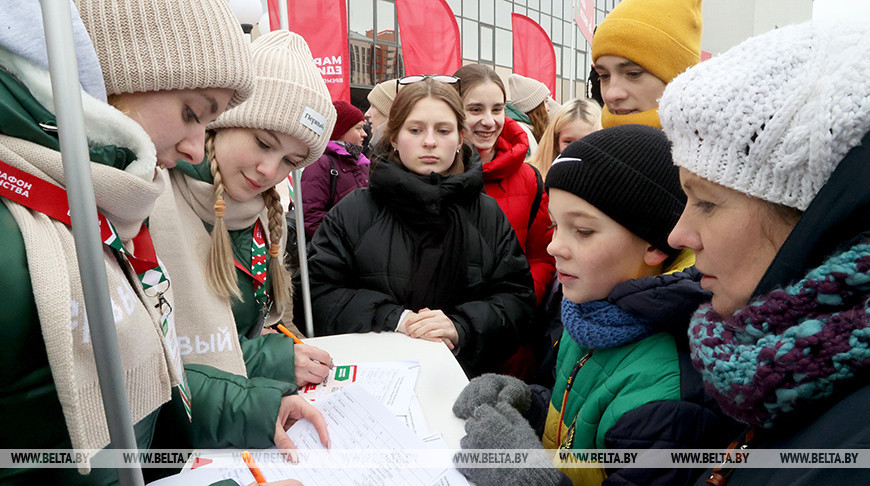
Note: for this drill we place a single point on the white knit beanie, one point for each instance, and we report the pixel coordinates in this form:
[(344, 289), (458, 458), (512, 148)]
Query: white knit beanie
[(382, 96), (773, 116), (155, 45), (289, 94), (526, 93)]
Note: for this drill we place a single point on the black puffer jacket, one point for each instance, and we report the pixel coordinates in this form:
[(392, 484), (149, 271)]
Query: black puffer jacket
[(409, 242)]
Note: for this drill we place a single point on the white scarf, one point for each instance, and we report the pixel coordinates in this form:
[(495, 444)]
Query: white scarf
[(125, 198)]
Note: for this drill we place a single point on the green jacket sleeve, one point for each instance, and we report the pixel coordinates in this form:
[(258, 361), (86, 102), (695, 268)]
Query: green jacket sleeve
[(270, 356), (233, 411)]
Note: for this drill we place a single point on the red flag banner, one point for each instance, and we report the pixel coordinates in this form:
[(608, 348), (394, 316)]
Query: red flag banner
[(430, 37), (534, 56), (323, 25), (585, 18)]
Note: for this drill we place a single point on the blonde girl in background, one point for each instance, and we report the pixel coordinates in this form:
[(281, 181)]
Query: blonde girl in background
[(573, 121), (220, 231)]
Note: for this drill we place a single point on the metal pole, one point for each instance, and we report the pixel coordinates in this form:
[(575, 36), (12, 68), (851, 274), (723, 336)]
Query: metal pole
[(573, 75), (303, 253), (63, 68), (283, 18)]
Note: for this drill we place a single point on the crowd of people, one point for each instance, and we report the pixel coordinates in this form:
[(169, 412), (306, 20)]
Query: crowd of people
[(685, 267)]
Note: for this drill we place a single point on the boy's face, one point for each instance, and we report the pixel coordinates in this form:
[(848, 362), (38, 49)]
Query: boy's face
[(593, 252), (626, 87)]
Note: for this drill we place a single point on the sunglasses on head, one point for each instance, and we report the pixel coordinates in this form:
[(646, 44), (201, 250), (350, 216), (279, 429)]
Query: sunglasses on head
[(443, 78)]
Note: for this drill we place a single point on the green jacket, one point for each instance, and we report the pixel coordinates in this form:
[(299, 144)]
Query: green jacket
[(241, 410), (30, 411)]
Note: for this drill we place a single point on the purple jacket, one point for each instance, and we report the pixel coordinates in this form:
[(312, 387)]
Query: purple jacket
[(316, 183)]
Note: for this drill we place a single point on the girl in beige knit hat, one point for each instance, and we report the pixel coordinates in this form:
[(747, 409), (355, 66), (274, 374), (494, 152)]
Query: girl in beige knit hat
[(52, 397), (222, 224), (172, 77)]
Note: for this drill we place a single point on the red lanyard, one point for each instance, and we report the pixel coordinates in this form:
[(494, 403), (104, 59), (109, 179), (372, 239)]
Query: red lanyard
[(42, 196)]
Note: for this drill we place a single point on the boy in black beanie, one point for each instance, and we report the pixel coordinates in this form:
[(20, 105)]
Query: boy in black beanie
[(614, 197)]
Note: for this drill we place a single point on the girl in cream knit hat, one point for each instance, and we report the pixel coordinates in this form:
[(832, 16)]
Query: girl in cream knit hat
[(222, 224)]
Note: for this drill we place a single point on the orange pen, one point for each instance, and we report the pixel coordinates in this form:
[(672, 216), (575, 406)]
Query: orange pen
[(255, 471), (289, 334)]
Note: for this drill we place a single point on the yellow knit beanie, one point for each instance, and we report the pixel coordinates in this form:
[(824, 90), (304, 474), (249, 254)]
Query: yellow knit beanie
[(156, 45), (662, 36)]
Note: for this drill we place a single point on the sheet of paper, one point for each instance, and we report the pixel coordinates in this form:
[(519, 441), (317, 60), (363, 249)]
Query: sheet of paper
[(390, 382), (414, 418), (451, 476), (369, 445)]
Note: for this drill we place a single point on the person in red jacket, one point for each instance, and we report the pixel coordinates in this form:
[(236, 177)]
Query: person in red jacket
[(517, 186)]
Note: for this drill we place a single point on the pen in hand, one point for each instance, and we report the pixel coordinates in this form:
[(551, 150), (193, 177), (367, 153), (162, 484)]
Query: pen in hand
[(296, 340), (289, 334), (252, 466)]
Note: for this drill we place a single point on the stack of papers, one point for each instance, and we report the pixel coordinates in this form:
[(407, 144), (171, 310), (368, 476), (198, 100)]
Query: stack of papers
[(377, 431)]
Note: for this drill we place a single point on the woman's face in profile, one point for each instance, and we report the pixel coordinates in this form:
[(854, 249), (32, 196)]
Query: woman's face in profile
[(734, 236)]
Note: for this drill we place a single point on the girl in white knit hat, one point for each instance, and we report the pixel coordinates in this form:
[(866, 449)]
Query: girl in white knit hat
[(191, 72), (772, 139), (222, 225)]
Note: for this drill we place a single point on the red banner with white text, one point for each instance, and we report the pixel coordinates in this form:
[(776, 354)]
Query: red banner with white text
[(534, 56), (430, 37), (585, 18), (323, 25)]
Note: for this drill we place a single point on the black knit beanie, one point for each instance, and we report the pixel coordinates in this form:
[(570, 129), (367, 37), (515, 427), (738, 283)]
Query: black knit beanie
[(627, 173)]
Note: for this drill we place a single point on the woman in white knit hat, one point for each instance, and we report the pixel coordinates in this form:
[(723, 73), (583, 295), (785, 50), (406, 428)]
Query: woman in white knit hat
[(773, 143), (52, 397), (222, 224)]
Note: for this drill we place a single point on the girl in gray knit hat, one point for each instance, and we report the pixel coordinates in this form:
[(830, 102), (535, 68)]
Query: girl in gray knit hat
[(772, 139), (170, 84)]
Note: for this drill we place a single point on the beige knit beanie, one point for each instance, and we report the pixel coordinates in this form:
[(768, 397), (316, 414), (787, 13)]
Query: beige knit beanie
[(526, 93), (382, 95), (155, 45), (289, 94)]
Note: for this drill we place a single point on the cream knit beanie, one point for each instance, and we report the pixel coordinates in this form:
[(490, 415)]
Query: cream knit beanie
[(289, 94), (526, 93), (155, 45), (382, 95), (773, 116)]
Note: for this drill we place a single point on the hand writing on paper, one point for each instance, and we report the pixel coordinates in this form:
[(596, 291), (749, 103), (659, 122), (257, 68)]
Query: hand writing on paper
[(295, 408), (432, 325), (312, 364)]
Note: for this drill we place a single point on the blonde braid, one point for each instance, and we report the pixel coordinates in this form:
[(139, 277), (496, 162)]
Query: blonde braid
[(220, 269), (281, 290)]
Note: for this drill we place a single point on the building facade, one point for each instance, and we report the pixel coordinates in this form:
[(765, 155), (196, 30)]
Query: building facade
[(485, 30)]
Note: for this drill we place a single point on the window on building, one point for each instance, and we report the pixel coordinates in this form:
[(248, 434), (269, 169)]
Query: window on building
[(486, 45), (503, 47)]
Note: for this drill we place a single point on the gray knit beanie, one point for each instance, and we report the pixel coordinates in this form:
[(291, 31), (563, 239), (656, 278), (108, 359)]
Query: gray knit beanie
[(526, 93), (156, 45), (289, 94), (627, 173), (382, 95), (773, 116)]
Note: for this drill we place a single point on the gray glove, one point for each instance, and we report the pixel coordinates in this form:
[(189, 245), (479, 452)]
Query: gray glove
[(491, 389), (502, 427)]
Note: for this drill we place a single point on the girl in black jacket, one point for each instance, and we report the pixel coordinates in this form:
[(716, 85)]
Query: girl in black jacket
[(422, 250)]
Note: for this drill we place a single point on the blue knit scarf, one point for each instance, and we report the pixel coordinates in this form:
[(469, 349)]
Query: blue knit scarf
[(796, 344), (602, 325)]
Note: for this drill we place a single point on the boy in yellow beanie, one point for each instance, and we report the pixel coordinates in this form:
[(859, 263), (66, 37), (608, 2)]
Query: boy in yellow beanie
[(637, 50)]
